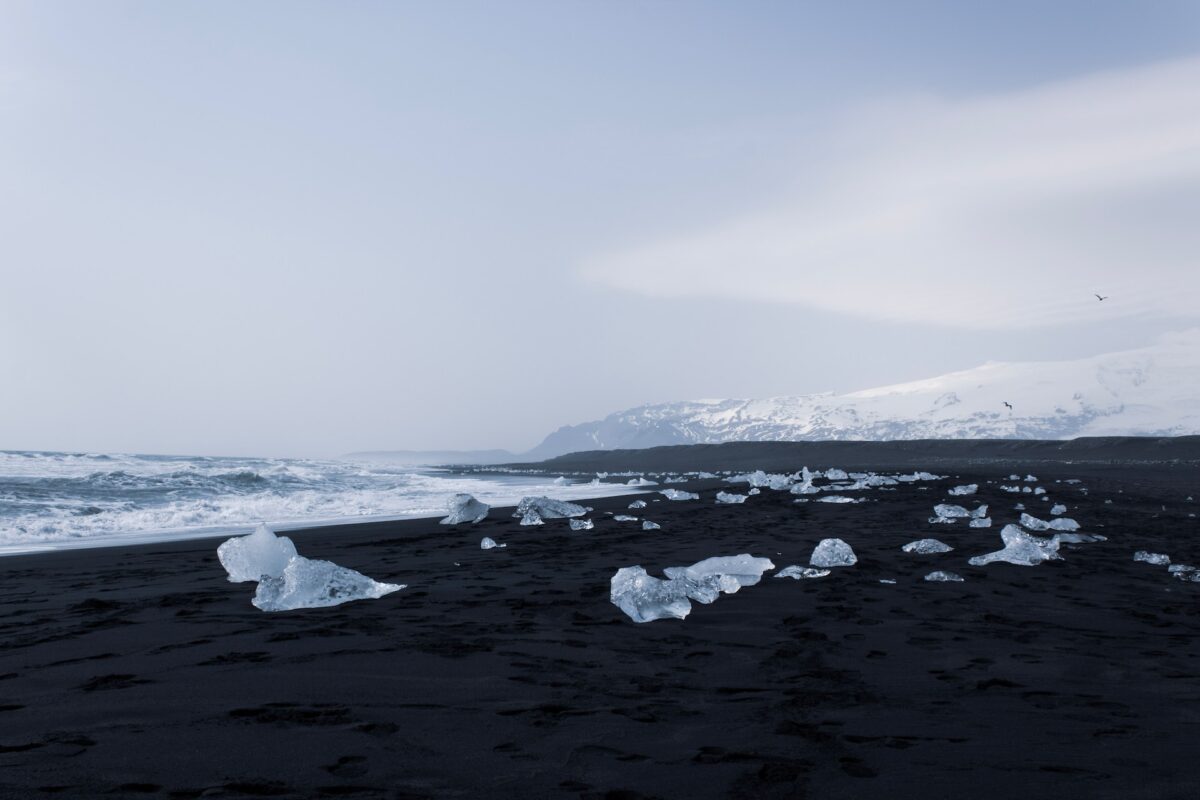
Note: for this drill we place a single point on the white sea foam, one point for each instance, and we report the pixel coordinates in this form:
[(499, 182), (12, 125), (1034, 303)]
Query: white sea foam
[(51, 501)]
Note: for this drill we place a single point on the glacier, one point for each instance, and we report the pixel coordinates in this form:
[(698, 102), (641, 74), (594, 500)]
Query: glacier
[(1149, 391)]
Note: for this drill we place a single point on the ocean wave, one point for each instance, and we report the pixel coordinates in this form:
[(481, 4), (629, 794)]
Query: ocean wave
[(56, 499)]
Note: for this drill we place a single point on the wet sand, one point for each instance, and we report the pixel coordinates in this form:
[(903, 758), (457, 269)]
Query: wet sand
[(142, 672)]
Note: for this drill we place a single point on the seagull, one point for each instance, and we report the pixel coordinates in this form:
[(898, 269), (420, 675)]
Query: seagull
[(1008, 404), (1101, 299)]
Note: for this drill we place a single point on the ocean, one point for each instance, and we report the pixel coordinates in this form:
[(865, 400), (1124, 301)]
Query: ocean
[(52, 501)]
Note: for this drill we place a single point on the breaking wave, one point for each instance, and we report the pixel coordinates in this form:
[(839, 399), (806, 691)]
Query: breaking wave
[(55, 500)]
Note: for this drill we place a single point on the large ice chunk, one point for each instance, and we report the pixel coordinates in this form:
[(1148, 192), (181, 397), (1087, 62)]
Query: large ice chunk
[(927, 547), (646, 598), (959, 491), (1157, 559), (726, 497), (833, 553), (249, 558), (679, 494), (548, 508), (581, 524), (464, 508), (797, 572), (310, 583), (1020, 548)]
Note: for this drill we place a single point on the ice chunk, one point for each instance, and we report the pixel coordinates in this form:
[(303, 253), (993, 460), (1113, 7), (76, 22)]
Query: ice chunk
[(959, 491), (1030, 478), (1057, 509), (638, 504), (927, 547), (833, 553), (548, 508), (1078, 538), (942, 575), (249, 558), (726, 497), (888, 581), (979, 512), (838, 498), (487, 543), (798, 572), (731, 572), (647, 525), (464, 508), (679, 494), (1180, 568), (310, 583), (531, 517), (1157, 559), (560, 481), (1020, 548), (645, 598), (640, 481), (581, 524), (1019, 507), (944, 513), (624, 518), (755, 490), (836, 475), (982, 522), (1060, 524)]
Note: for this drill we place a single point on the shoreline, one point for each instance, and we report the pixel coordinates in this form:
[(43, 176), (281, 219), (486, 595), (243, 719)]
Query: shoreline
[(508, 673)]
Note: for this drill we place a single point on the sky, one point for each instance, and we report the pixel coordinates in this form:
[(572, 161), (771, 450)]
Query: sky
[(310, 228)]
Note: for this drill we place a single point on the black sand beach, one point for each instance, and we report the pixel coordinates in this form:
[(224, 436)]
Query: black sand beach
[(141, 672)]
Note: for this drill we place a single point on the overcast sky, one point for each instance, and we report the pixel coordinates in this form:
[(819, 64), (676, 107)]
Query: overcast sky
[(290, 228)]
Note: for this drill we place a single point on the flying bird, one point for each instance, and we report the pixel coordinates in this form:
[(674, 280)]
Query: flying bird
[(1008, 404), (1101, 299)]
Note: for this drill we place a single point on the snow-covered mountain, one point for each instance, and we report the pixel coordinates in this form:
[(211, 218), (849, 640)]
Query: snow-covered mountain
[(1153, 391)]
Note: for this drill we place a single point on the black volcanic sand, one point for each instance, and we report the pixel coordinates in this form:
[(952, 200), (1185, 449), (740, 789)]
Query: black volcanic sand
[(507, 673)]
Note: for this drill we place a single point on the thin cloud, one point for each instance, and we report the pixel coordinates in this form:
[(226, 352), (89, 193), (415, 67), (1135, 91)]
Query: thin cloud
[(994, 212)]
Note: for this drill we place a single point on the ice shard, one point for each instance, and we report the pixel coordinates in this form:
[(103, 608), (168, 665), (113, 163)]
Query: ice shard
[(464, 508), (249, 558)]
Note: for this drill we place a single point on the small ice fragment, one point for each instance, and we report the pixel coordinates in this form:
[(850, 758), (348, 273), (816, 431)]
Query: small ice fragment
[(942, 575), (889, 581), (624, 518), (581, 524), (1057, 509), (560, 481), (1033, 523), (679, 494), (487, 543), (638, 504), (969, 488), (464, 508), (1020, 548), (837, 498), (833, 553), (310, 583), (755, 490), (797, 572), (640, 481), (927, 547), (1019, 507), (982, 522), (726, 497), (647, 525), (1030, 479), (1014, 477), (249, 558), (1157, 559)]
